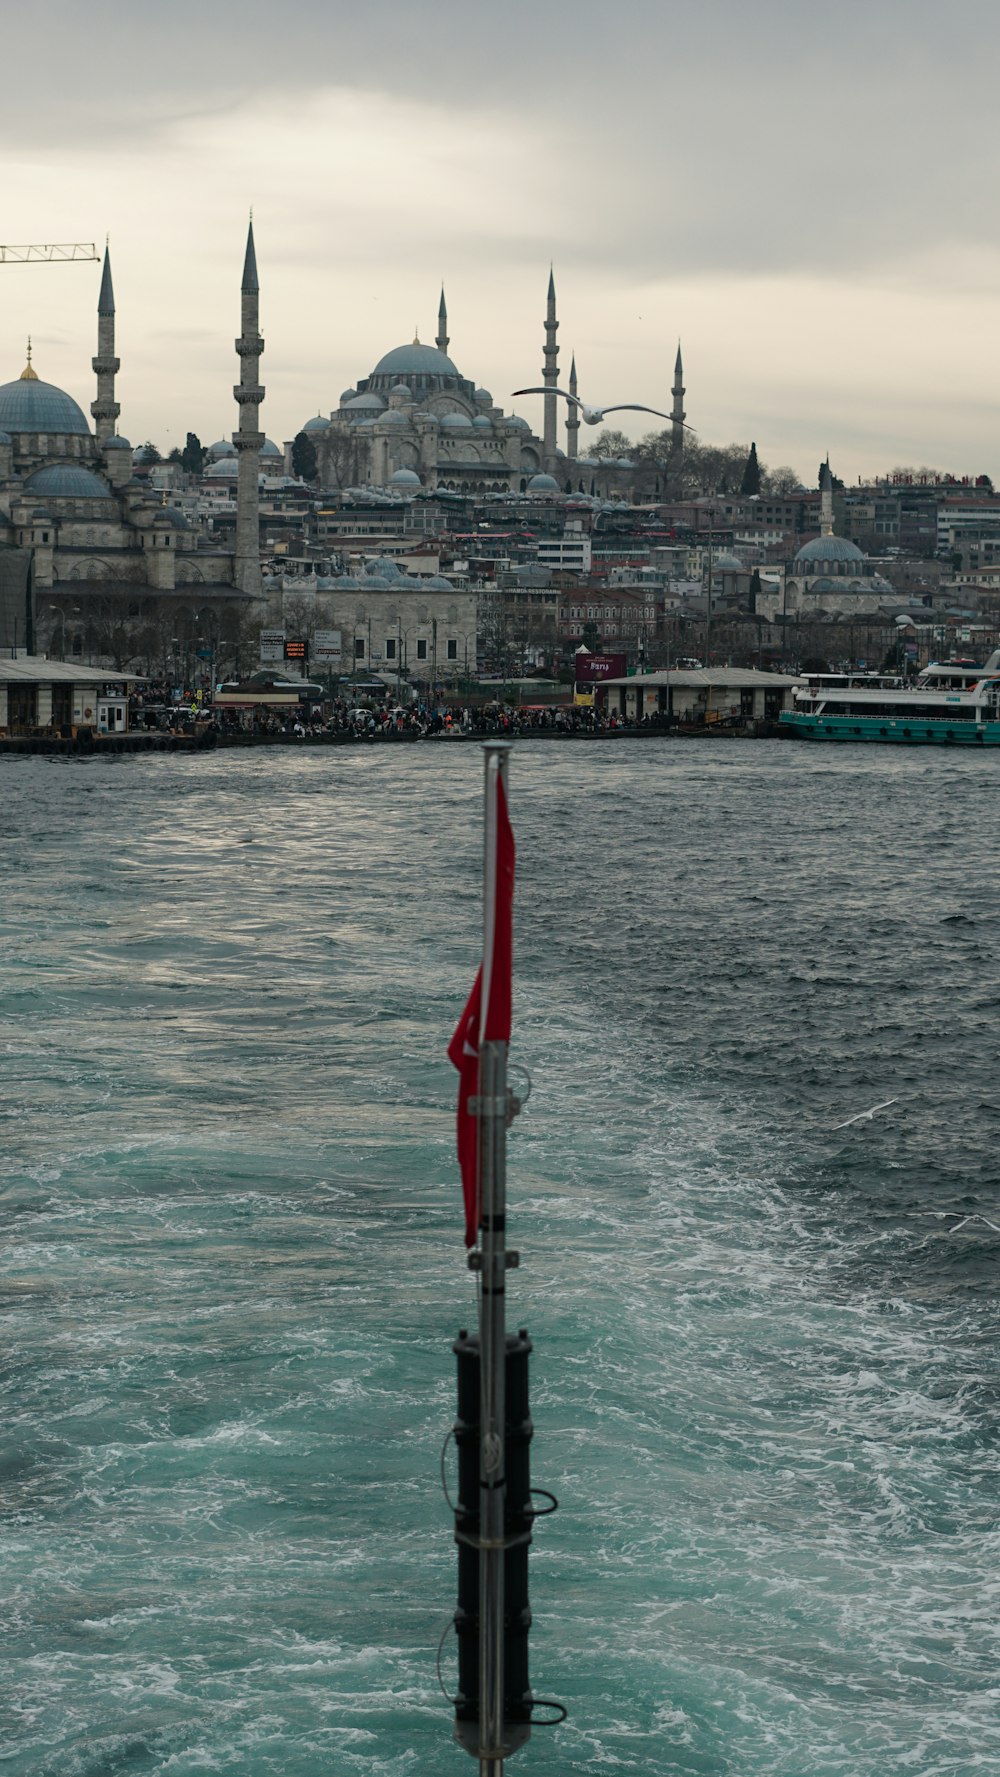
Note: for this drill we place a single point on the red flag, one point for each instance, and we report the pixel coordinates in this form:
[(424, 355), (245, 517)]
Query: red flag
[(486, 1018)]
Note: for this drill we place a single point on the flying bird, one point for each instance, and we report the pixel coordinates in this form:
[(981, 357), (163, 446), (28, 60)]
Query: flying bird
[(866, 1116), (592, 416)]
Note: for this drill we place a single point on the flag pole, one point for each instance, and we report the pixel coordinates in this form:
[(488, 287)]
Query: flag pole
[(492, 1117)]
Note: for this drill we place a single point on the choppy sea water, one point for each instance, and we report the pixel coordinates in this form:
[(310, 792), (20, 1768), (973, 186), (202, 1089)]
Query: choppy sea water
[(765, 1383)]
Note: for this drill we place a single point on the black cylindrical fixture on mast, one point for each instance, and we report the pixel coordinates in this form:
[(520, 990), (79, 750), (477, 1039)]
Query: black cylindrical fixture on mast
[(517, 1698)]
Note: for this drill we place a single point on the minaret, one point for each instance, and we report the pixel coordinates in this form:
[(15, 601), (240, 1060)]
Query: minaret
[(442, 334), (826, 500), (248, 441), (572, 416), (550, 377), (678, 416), (105, 409)]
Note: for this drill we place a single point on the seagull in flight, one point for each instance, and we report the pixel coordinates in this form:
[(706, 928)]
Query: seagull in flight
[(592, 416), (866, 1116)]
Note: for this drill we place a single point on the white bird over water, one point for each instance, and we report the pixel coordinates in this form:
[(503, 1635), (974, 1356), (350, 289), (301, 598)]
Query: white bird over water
[(592, 416), (866, 1116)]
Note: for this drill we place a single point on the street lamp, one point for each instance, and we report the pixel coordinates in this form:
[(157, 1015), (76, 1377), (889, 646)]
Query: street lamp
[(57, 611)]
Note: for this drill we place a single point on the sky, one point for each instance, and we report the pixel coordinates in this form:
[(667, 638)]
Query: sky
[(801, 194)]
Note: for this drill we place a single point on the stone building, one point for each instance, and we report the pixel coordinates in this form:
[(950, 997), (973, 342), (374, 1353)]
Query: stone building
[(112, 561), (389, 621)]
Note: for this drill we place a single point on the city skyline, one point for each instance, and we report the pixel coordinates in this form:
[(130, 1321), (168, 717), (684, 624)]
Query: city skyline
[(839, 297)]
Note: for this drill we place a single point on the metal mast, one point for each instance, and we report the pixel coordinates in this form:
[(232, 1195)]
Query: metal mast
[(492, 1110)]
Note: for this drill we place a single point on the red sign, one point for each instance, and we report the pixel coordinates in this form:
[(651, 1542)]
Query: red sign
[(590, 669)]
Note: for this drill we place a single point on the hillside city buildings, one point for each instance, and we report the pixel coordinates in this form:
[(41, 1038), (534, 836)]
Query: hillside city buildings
[(438, 537)]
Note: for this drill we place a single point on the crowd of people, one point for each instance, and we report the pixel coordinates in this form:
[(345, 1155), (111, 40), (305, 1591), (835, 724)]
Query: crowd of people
[(157, 707)]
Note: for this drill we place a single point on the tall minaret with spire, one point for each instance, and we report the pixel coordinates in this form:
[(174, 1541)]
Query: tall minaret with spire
[(550, 377), (442, 333), (677, 414), (572, 417), (105, 409), (248, 440)]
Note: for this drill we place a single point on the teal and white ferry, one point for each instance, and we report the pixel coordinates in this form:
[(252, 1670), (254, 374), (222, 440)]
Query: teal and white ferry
[(951, 703)]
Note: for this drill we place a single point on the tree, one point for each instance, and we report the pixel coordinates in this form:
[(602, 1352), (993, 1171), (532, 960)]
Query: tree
[(610, 443), (193, 455), (591, 637), (304, 460), (782, 480), (750, 483), (755, 589), (149, 454)]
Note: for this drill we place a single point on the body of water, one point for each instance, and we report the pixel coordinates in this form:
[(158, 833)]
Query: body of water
[(765, 1382)]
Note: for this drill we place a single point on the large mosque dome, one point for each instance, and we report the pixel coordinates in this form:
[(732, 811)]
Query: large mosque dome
[(828, 549), (29, 405), (414, 360), (67, 481)]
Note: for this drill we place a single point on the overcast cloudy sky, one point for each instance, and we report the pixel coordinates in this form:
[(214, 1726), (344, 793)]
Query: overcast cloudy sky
[(804, 194)]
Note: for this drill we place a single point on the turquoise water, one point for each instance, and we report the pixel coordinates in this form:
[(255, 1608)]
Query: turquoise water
[(765, 1382)]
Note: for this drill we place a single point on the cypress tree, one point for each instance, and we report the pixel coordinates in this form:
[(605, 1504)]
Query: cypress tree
[(751, 474)]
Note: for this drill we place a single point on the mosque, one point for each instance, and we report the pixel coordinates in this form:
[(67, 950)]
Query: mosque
[(99, 536), (416, 422), (829, 576)]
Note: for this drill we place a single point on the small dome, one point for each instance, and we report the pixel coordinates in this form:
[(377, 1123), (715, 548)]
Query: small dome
[(117, 443), (543, 484), (485, 396), (345, 583), (270, 449), (366, 404), (483, 421), (404, 478), (348, 395), (172, 516), (430, 419), (401, 389), (67, 481), (829, 549), (383, 568), (318, 423), (727, 564), (456, 420), (29, 405), (414, 360), (514, 419), (392, 418), (224, 470), (223, 447)]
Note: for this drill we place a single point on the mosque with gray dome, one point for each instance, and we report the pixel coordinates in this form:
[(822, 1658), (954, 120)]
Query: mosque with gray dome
[(829, 576), (416, 422), (68, 493)]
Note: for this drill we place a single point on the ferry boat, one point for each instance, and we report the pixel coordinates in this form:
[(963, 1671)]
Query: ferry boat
[(951, 703)]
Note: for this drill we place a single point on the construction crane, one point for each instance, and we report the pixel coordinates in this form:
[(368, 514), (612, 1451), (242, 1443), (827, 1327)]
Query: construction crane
[(48, 254)]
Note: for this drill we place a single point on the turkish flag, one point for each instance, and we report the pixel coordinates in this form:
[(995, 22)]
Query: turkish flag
[(486, 1018)]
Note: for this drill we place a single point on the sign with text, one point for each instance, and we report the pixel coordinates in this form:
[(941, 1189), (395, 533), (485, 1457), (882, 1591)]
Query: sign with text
[(272, 644), (590, 669), (326, 646)]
